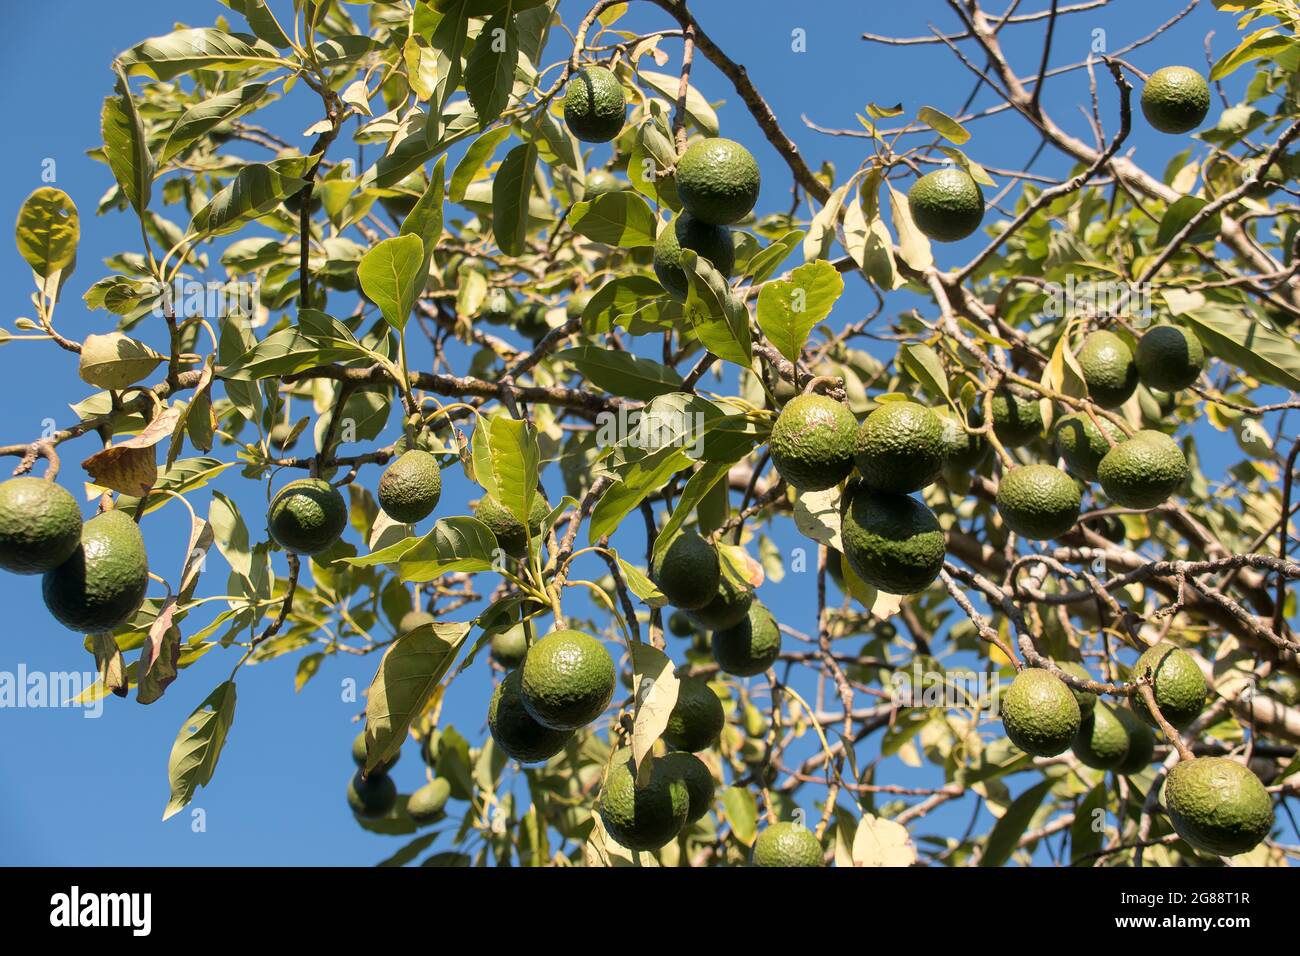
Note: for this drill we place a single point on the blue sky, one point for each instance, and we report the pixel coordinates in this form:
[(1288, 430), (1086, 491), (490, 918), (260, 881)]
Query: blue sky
[(81, 791)]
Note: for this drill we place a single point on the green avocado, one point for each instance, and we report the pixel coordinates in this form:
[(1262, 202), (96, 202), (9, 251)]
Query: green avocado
[(103, 582), (698, 779), (688, 571), (710, 242), (595, 105), (750, 646), (567, 679), (509, 530), (696, 719), (1039, 713), (1176, 99), (40, 525), (786, 844), (893, 542), (1082, 444), (413, 619), (1017, 419), (1143, 471), (1102, 741), (1179, 686), (372, 797), (427, 803), (812, 442), (307, 516), (1108, 368), (515, 730), (718, 181), (1169, 358), (947, 204), (644, 817), (1141, 742), (509, 646), (1218, 806), (962, 450), (900, 448), (729, 606), (410, 487), (1038, 501), (359, 755), (1086, 700), (600, 182)]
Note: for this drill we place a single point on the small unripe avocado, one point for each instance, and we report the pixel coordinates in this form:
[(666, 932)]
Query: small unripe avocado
[(372, 797), (1038, 502), (602, 181), (509, 646), (427, 803), (567, 679), (710, 242), (1179, 686), (1217, 805), (680, 625), (644, 817), (1082, 444), (750, 646), (900, 448), (1102, 741), (893, 542), (515, 730), (1169, 358), (1176, 99), (787, 844), (718, 181), (688, 571), (359, 755), (947, 204), (410, 487), (102, 583), (699, 781), (1039, 713), (696, 719), (1086, 699), (1017, 419), (1108, 368), (114, 360), (40, 525), (595, 105), (282, 437), (307, 516), (812, 442), (1143, 471), (413, 619)]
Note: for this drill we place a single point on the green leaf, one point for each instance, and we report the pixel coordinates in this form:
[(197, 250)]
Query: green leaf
[(475, 158), (719, 320), (742, 813), (788, 309), (697, 107), (943, 124), (48, 231), (510, 192), (425, 220), (697, 488), (1085, 835), (408, 674), (125, 147), (512, 447), (490, 68), (639, 583), (765, 263), (1006, 833), (197, 748), (389, 274), (316, 339), (256, 190), (261, 20), (616, 219), (622, 373), (922, 363), (202, 117), (636, 480), (624, 296), (1262, 44), (1179, 214), (167, 57), (1248, 344)]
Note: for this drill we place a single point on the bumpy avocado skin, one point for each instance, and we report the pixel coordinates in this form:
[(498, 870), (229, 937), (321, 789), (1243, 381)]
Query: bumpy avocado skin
[(1217, 805), (1179, 686), (893, 542), (1017, 419), (1081, 443), (900, 447), (1143, 471), (307, 516), (750, 646), (962, 450), (1038, 501), (595, 105), (947, 204), (787, 844), (1169, 358), (710, 242), (1039, 713), (40, 525), (646, 817), (1108, 368), (104, 581), (515, 730), (410, 487), (1176, 99), (688, 571), (508, 529), (812, 442), (718, 181), (566, 680), (696, 719), (1102, 741), (699, 781)]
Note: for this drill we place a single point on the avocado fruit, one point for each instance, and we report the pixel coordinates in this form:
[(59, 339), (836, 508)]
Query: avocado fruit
[(102, 584)]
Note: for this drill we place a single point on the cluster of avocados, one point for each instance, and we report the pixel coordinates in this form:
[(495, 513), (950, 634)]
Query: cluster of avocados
[(94, 575), (373, 796)]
